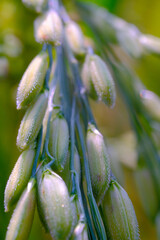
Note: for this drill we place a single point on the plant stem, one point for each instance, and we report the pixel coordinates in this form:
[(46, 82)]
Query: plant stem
[(45, 148), (72, 136), (64, 84), (47, 77), (80, 89), (39, 142), (50, 100), (93, 206), (74, 174), (89, 221)]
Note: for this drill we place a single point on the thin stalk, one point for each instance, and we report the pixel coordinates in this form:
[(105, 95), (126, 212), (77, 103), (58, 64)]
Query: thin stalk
[(64, 84), (44, 47), (45, 148), (88, 109), (64, 14), (89, 221), (50, 100), (93, 206), (74, 175), (53, 4), (50, 108), (47, 77), (72, 136), (78, 192), (80, 89), (39, 142)]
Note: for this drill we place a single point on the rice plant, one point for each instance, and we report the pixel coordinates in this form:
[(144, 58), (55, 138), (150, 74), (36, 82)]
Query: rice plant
[(65, 165)]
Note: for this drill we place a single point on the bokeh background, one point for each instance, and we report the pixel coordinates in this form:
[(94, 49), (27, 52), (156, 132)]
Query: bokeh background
[(18, 47)]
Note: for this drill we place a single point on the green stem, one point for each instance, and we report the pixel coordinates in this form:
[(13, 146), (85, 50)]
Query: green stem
[(39, 142), (50, 100), (93, 206), (53, 4), (74, 174), (64, 84), (72, 136), (78, 192), (89, 221), (80, 89), (47, 77), (45, 148)]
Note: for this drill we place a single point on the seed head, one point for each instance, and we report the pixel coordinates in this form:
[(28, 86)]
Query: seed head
[(32, 80), (31, 122), (22, 218), (59, 140), (98, 80), (128, 38), (75, 38), (54, 204), (119, 215), (48, 28), (99, 163), (87, 80), (19, 178), (150, 43), (80, 232), (152, 103)]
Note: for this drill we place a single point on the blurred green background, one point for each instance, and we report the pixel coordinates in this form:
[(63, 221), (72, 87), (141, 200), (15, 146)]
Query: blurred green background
[(18, 47)]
